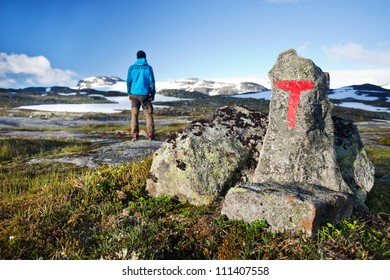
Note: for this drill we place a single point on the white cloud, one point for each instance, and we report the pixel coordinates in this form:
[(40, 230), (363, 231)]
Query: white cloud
[(340, 78), (357, 54), (21, 70), (371, 65), (5, 82)]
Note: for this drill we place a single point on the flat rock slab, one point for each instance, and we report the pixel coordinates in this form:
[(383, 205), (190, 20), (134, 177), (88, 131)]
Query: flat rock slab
[(113, 154), (287, 208)]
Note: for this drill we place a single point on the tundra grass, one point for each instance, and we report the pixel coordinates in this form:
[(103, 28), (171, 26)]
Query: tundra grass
[(106, 214), (379, 197), (385, 140), (19, 148)]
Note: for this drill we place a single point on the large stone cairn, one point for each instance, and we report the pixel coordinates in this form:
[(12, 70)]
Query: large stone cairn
[(296, 168), (299, 144), (297, 184)]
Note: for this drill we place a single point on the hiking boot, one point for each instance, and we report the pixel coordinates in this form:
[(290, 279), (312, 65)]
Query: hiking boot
[(135, 137)]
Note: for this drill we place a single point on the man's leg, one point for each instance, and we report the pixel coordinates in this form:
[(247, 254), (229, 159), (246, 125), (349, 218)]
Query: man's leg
[(135, 105), (148, 111), (149, 123)]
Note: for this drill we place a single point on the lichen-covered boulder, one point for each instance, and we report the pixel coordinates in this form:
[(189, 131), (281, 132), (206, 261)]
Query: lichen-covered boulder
[(197, 163), (287, 207), (355, 166), (299, 143)]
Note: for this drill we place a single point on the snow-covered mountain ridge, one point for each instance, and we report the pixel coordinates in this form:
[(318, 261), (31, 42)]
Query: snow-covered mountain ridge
[(212, 88), (102, 83), (367, 97), (226, 87)]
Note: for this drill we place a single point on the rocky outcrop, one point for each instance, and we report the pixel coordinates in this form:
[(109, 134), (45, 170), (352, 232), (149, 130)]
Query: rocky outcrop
[(199, 162)]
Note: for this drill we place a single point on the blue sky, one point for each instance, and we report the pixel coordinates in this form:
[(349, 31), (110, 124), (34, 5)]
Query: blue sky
[(58, 42)]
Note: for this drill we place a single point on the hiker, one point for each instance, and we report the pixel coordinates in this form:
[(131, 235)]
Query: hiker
[(141, 91)]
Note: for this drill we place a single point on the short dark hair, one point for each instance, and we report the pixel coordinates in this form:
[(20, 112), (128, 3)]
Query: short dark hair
[(141, 54)]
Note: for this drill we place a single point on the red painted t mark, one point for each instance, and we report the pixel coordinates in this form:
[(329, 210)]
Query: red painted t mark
[(295, 88)]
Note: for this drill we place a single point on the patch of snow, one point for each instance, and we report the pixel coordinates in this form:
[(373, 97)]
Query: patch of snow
[(67, 94), (349, 92), (119, 86), (121, 103), (357, 105), (157, 98), (76, 108), (97, 95), (385, 121)]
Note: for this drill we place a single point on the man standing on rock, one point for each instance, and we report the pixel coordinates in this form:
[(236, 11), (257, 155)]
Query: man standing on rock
[(141, 90)]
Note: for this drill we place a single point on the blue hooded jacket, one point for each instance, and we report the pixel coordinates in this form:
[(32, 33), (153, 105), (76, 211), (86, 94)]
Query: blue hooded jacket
[(140, 79)]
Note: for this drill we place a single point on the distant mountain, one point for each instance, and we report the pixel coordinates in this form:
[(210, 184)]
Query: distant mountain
[(113, 83), (365, 92), (211, 87), (102, 83), (367, 96)]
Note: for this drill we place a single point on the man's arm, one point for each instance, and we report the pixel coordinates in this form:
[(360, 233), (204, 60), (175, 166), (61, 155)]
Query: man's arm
[(129, 81), (152, 85)]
